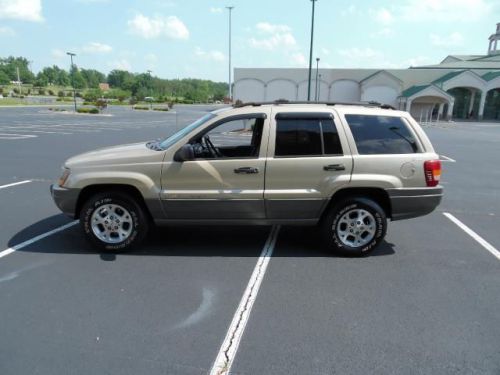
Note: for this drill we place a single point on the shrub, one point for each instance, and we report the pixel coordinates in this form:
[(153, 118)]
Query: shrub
[(51, 93), (88, 103), (101, 104), (41, 92), (141, 107), (170, 105), (164, 109), (60, 94), (93, 111), (16, 90)]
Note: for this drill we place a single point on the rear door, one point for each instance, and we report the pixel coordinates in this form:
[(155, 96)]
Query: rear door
[(308, 159)]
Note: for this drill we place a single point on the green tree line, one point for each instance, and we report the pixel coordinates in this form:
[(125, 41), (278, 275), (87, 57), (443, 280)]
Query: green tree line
[(136, 85)]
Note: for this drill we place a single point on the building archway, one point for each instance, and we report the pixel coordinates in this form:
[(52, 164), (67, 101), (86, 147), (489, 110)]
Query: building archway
[(467, 102), (492, 105)]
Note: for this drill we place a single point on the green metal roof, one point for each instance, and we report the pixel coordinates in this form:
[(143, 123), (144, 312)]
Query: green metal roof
[(491, 75), (413, 90), (448, 76)]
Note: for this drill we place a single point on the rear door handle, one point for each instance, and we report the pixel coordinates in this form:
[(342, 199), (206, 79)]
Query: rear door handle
[(334, 167), (246, 170)]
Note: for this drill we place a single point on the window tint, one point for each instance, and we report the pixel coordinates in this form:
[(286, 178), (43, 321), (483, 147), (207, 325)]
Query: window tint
[(306, 137), (381, 135)]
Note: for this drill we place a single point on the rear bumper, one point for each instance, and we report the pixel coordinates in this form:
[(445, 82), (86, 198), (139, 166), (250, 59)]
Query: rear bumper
[(413, 202), (65, 199)]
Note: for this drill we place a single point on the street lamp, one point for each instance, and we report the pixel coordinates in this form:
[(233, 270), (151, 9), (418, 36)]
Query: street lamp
[(319, 88), (311, 52), (316, 87), (230, 8), (150, 89), (70, 54)]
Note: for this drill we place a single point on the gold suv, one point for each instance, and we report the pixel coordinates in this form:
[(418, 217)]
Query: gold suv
[(345, 168)]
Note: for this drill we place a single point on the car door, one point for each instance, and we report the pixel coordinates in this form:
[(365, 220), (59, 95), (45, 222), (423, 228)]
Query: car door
[(308, 159), (226, 184)]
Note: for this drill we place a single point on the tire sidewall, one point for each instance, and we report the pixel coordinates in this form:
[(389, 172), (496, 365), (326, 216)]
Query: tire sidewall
[(138, 223), (343, 208)]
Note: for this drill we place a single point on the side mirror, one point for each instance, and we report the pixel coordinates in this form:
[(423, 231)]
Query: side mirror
[(185, 153)]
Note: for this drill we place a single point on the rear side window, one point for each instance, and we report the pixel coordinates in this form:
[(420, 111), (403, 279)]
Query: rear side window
[(306, 137), (381, 135)]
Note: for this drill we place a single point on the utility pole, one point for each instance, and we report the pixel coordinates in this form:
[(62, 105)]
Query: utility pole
[(319, 88), (316, 88), (70, 54), (150, 89), (230, 8), (18, 81), (311, 53)]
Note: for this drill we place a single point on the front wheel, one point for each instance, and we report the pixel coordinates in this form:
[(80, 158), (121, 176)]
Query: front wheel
[(113, 221), (354, 227)]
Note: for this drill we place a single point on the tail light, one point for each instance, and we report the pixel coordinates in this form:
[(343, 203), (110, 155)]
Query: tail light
[(432, 171)]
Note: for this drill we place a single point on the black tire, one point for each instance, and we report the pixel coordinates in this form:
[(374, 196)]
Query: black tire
[(138, 220), (331, 236)]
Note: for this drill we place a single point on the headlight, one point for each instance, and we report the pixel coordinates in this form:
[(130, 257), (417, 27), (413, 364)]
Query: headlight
[(64, 177)]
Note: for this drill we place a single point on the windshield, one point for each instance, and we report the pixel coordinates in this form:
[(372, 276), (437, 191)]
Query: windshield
[(183, 132)]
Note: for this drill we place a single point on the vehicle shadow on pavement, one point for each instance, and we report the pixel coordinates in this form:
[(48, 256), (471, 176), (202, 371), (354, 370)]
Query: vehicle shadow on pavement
[(185, 241)]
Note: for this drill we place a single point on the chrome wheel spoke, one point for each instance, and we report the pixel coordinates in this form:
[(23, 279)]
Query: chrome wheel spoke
[(356, 227), (111, 223)]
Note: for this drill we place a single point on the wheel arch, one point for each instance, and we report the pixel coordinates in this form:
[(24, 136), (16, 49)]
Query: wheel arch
[(130, 190), (378, 195)]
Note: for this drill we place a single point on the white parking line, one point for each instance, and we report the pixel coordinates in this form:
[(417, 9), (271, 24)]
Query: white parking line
[(229, 347), (446, 158), (12, 249), (474, 235), (16, 136), (15, 184)]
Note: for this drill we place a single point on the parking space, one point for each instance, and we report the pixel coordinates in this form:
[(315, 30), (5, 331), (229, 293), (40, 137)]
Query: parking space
[(425, 302)]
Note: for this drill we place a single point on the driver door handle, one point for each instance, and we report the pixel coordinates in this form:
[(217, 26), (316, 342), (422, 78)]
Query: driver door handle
[(246, 170)]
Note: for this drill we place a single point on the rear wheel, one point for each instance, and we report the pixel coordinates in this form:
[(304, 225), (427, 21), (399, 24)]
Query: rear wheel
[(113, 221), (354, 227)]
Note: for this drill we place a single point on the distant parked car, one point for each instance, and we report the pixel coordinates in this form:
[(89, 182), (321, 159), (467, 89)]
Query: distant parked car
[(345, 168)]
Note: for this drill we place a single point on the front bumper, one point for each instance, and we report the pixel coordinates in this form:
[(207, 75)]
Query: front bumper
[(407, 203), (65, 199)]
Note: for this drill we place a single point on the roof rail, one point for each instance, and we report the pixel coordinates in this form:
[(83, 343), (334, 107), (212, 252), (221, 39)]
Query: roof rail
[(279, 102)]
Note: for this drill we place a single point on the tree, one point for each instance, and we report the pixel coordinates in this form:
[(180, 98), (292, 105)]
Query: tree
[(76, 78), (4, 78)]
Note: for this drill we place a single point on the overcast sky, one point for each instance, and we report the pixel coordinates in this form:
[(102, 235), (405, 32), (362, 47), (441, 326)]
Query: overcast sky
[(188, 38)]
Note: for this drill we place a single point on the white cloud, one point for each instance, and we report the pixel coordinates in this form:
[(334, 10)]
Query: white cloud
[(386, 32), (349, 10), (452, 40), (96, 47), (383, 16), (216, 10), (26, 10), (359, 53), (170, 27), (151, 60), (120, 65), (57, 53), (266, 27), (445, 10), (272, 37), (209, 55), (7, 31), (299, 59)]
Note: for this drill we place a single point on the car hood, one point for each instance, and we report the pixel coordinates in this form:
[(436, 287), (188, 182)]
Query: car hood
[(117, 155)]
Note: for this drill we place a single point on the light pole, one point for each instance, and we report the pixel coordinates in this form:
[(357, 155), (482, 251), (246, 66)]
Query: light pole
[(311, 52), (319, 88), (150, 89), (316, 87), (70, 54), (230, 8)]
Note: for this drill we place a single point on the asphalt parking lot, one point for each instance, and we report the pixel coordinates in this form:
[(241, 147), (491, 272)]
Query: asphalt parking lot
[(426, 302)]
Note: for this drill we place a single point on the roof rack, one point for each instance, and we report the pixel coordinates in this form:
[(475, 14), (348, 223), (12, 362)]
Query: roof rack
[(278, 102)]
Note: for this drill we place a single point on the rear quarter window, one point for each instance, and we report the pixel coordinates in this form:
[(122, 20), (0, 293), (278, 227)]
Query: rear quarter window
[(381, 135)]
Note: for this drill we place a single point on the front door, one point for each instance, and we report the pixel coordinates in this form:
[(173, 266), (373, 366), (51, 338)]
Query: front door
[(226, 179)]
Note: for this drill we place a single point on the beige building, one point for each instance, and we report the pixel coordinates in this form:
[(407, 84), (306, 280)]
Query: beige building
[(461, 86)]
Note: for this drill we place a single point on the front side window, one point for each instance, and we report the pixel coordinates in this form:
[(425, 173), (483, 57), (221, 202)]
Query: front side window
[(239, 138), (381, 135), (306, 137), (185, 131)]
